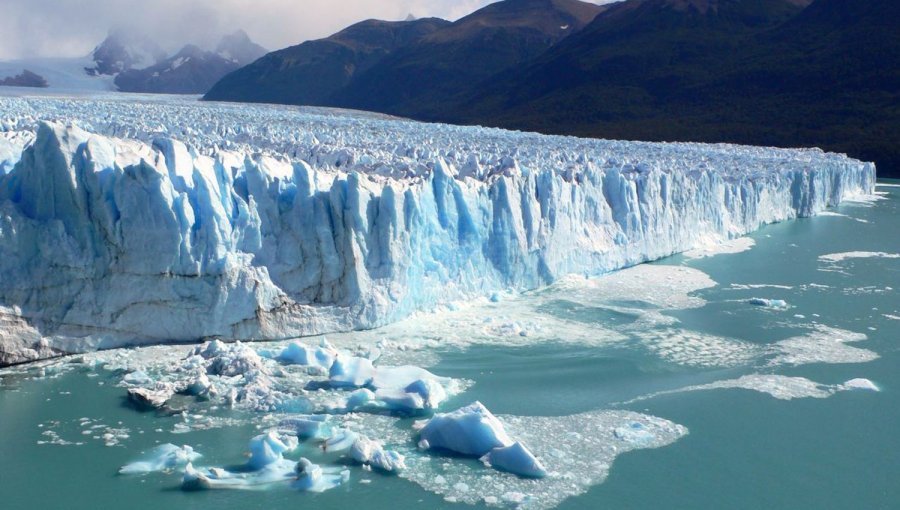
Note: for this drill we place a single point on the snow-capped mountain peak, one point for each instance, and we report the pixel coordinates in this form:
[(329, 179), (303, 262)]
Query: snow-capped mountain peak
[(239, 48), (123, 50)]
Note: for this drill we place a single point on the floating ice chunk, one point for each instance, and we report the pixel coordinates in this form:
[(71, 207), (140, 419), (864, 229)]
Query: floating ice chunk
[(200, 386), (266, 449), (470, 430), (265, 467), (515, 459), (635, 433), (152, 397), (314, 426), (422, 394), (351, 371), (163, 457), (298, 354), (742, 286), (218, 478), (372, 453), (776, 304), (861, 384), (138, 377), (390, 378), (229, 359), (713, 247), (359, 398), (341, 440), (314, 478)]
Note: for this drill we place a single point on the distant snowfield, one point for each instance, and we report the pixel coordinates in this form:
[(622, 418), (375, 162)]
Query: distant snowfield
[(134, 215)]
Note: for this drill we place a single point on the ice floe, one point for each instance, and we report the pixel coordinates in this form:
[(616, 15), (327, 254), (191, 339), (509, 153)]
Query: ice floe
[(266, 467), (774, 304), (712, 249), (162, 458), (841, 257), (781, 387), (821, 345)]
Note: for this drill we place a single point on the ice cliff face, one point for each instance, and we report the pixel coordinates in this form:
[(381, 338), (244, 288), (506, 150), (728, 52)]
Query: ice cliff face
[(313, 222)]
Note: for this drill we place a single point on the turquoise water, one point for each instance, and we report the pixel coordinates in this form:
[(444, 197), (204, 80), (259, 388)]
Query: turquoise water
[(745, 448)]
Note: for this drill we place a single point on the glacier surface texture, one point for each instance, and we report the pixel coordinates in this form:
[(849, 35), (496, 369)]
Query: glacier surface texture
[(130, 222)]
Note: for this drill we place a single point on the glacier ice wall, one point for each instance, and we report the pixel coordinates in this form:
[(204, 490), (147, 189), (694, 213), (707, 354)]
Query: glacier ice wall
[(271, 223)]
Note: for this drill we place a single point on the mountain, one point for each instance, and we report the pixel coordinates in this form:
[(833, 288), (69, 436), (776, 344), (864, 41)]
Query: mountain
[(25, 79), (123, 50), (396, 67), (239, 48), (823, 73), (192, 70), (488, 41), (764, 72), (310, 73)]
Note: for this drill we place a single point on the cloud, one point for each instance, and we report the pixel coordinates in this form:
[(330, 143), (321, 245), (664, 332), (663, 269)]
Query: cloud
[(70, 28)]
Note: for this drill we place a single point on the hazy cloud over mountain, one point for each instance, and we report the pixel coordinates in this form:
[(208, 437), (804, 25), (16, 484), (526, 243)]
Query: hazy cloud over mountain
[(71, 28)]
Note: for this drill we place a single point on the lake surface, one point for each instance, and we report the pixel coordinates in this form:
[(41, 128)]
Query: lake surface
[(755, 392)]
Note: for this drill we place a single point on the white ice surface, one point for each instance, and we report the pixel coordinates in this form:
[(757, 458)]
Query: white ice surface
[(280, 222), (738, 245), (840, 257), (781, 387)]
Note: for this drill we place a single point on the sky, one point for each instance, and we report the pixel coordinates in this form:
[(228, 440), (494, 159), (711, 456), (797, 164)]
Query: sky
[(72, 28)]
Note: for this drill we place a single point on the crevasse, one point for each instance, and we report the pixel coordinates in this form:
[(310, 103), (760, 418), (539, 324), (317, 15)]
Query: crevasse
[(106, 242)]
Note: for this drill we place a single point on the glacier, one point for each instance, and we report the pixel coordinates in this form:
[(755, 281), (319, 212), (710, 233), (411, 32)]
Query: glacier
[(145, 220)]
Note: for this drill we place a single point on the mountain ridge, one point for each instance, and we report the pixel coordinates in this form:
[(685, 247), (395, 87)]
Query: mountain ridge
[(821, 73)]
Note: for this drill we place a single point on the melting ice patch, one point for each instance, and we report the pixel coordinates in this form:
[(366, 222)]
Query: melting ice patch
[(836, 258), (781, 387), (822, 345), (712, 249), (577, 452), (692, 348), (834, 214), (750, 286)]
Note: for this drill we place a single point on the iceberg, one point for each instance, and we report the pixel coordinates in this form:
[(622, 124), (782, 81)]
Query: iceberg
[(775, 304), (166, 222), (474, 431), (372, 453), (319, 359), (267, 449), (266, 467), (351, 372), (470, 430), (313, 426), (161, 458), (340, 440), (314, 478), (515, 459)]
